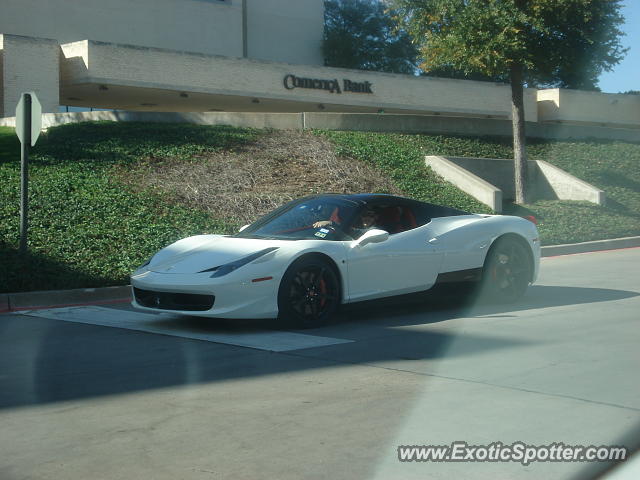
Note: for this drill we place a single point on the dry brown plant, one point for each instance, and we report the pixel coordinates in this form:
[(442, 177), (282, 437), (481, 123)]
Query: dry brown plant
[(239, 185)]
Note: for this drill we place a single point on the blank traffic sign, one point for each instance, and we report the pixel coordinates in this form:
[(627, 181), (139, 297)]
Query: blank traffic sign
[(36, 117)]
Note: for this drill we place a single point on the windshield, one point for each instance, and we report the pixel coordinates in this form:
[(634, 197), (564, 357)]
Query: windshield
[(320, 218)]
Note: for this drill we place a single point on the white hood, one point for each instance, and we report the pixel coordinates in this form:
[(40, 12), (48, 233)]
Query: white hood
[(194, 254)]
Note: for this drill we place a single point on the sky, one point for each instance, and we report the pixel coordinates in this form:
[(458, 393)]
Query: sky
[(626, 75)]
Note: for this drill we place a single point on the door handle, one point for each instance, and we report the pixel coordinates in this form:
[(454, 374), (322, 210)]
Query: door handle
[(434, 240)]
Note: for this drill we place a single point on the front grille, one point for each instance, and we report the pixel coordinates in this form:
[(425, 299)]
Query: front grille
[(173, 301)]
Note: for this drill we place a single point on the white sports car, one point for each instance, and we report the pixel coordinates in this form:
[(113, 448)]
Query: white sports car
[(303, 260)]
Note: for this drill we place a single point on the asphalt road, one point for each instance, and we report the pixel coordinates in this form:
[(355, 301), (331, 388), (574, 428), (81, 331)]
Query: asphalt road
[(165, 397)]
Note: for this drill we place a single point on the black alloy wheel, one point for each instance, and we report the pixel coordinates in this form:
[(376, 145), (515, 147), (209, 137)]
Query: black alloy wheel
[(309, 293), (507, 271)]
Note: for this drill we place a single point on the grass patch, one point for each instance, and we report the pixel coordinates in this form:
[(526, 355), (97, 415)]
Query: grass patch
[(105, 196), (609, 165), (85, 229), (402, 159)]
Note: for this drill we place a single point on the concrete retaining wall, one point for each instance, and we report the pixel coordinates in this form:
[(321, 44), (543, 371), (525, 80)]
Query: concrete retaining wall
[(278, 121), (498, 172), (490, 180), (350, 121), (407, 123), (461, 126), (567, 187), (580, 132), (467, 181)]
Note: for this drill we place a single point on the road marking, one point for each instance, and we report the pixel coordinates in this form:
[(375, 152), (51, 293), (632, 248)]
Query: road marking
[(168, 324)]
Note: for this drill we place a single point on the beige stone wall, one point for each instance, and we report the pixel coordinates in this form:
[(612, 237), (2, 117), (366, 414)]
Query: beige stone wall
[(207, 26), (595, 108), (74, 61), (29, 64), (102, 63), (283, 30), (286, 31)]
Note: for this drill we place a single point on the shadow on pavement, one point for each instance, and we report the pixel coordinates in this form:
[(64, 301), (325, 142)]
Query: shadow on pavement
[(43, 361), (453, 302)]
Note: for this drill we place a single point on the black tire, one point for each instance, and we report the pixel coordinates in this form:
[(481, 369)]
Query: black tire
[(309, 293), (507, 271)]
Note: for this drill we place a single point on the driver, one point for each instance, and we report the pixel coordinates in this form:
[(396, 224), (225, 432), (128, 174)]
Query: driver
[(367, 220), (334, 221), (323, 223)]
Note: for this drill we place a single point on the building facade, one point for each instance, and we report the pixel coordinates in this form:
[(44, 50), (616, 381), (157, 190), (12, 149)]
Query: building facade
[(235, 56), (277, 30)]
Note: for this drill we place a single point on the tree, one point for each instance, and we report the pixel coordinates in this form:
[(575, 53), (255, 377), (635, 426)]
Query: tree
[(522, 40), (360, 34)]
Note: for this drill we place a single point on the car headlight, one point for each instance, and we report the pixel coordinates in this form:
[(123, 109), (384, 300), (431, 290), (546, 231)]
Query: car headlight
[(144, 264), (227, 268)]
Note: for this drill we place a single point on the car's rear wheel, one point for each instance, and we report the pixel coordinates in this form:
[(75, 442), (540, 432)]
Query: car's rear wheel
[(507, 271), (309, 293)]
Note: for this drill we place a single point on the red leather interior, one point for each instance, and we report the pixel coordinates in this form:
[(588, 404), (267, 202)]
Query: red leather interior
[(409, 219), (335, 216), (396, 219), (390, 219)]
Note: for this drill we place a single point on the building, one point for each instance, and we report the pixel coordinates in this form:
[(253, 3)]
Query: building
[(235, 56), (39, 34)]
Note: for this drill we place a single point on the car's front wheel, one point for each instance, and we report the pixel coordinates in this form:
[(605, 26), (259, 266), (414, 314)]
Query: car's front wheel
[(309, 293), (507, 271)]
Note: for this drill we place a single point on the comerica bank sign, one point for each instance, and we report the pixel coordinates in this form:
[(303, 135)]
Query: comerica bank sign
[(332, 86)]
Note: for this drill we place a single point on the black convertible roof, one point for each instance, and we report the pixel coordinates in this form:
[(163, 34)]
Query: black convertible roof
[(360, 197), (433, 209)]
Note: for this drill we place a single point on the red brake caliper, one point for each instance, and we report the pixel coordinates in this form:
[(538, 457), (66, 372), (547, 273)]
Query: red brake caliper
[(323, 290)]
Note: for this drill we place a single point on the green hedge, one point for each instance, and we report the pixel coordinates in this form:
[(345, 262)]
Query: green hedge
[(85, 229)]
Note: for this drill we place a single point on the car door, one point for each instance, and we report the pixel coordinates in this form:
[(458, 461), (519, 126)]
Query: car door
[(406, 262)]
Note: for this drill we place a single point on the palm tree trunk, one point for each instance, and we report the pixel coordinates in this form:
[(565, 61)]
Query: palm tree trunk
[(519, 140)]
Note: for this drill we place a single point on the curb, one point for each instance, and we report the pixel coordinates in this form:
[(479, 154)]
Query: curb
[(4, 303), (594, 246), (11, 302)]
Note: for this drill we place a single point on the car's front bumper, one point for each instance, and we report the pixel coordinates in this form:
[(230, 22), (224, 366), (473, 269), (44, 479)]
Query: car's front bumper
[(234, 297)]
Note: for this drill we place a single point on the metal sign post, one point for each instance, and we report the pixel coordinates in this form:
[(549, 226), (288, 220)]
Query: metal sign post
[(28, 122)]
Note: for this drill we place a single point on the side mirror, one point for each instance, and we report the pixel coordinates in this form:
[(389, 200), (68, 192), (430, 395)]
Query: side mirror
[(371, 236), (243, 227)]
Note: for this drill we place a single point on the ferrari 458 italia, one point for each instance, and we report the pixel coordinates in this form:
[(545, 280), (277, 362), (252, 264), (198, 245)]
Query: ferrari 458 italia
[(306, 258)]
